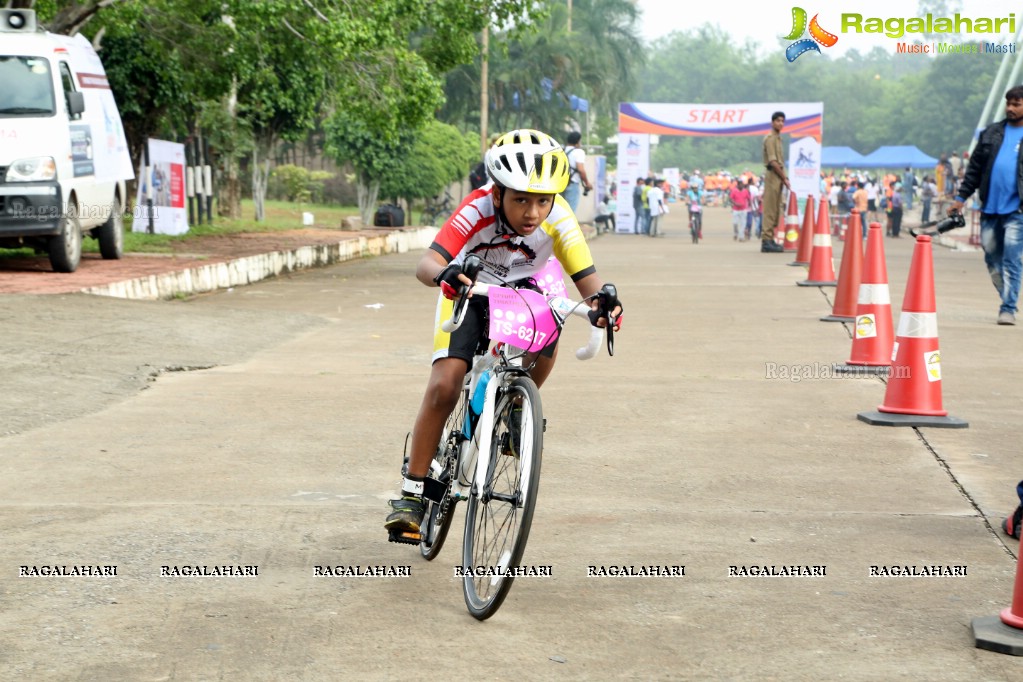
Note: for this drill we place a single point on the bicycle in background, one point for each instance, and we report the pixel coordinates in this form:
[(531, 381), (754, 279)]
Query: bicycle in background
[(437, 209)]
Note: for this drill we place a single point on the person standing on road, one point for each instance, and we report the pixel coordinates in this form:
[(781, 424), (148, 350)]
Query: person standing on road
[(861, 203), (637, 204), (515, 223), (655, 206), (995, 172), (577, 171), (897, 210), (739, 197), (927, 194), (774, 161)]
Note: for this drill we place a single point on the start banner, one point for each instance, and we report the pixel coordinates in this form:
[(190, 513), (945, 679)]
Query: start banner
[(802, 119)]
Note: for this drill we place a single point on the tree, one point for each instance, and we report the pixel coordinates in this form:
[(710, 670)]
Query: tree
[(373, 156), (439, 156)]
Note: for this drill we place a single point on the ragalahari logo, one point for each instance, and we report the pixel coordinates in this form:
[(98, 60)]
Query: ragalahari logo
[(817, 35)]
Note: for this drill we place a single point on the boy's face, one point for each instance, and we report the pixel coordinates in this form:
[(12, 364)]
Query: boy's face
[(778, 123), (524, 210)]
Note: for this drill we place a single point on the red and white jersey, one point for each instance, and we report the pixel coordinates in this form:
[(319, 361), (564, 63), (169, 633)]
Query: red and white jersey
[(507, 256)]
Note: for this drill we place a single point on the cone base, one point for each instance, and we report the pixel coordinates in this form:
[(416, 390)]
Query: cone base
[(838, 318), (876, 418), (797, 263), (992, 634), (863, 369), (811, 283)]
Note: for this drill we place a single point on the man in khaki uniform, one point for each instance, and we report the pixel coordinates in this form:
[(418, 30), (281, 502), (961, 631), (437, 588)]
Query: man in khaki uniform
[(775, 178)]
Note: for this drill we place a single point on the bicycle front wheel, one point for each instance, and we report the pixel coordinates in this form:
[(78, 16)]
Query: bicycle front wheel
[(497, 521)]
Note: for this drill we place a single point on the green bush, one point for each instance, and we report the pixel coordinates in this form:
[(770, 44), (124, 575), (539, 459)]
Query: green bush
[(300, 184)]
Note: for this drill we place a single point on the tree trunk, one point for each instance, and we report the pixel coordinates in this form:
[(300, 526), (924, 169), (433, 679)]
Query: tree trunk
[(258, 185), (367, 191), (68, 20), (230, 204)]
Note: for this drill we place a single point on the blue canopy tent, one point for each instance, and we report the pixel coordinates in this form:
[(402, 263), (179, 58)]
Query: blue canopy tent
[(899, 156), (841, 157)]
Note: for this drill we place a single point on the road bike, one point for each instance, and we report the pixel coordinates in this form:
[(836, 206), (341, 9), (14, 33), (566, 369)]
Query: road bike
[(490, 450), (437, 209)]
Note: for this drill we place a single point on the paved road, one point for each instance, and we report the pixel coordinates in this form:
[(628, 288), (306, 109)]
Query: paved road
[(680, 450)]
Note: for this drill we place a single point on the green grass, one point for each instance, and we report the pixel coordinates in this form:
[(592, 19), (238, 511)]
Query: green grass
[(280, 216)]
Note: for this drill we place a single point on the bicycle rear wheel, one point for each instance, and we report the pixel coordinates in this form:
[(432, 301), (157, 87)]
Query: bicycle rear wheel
[(497, 522), (437, 520)]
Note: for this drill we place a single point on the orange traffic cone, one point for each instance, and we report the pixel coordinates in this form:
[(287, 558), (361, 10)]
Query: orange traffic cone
[(1003, 633), (822, 269), (847, 293), (872, 333), (913, 395), (806, 240), (782, 227), (792, 221)]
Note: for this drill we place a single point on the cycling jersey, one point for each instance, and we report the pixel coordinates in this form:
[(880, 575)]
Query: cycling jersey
[(507, 256)]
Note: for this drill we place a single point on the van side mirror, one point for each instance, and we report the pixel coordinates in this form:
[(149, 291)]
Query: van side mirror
[(75, 103)]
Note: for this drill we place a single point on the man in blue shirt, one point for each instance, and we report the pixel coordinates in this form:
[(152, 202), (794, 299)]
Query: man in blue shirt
[(996, 173)]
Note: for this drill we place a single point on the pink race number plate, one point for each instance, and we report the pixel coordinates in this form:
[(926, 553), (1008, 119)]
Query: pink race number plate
[(521, 318), (551, 279)]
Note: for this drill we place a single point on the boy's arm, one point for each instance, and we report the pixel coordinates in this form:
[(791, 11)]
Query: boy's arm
[(591, 284), (432, 265)]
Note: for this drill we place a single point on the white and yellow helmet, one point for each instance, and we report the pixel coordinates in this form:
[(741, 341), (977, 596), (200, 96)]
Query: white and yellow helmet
[(528, 161)]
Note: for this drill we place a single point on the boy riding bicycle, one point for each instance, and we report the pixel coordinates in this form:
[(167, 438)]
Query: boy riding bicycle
[(514, 224)]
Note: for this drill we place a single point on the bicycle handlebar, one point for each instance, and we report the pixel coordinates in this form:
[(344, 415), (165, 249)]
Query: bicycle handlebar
[(941, 226), (563, 306)]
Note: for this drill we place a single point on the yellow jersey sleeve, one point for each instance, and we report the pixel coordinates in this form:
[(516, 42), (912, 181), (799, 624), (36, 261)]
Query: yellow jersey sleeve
[(570, 247)]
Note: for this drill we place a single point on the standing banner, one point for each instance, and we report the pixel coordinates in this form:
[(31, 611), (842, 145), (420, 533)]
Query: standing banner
[(805, 167), (165, 178), (633, 163)]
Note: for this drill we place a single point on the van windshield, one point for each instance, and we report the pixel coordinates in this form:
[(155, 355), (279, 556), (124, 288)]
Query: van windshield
[(26, 87)]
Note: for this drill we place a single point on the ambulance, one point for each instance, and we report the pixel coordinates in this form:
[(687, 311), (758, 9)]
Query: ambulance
[(64, 160)]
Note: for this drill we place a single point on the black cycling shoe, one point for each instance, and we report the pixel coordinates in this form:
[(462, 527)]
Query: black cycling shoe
[(404, 524)]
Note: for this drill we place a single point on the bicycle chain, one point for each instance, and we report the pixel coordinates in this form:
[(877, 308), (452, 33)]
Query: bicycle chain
[(449, 466)]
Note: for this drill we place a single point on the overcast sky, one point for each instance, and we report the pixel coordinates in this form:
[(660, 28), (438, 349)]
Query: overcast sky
[(764, 21)]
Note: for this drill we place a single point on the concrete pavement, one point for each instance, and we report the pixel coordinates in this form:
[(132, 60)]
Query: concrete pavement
[(687, 448)]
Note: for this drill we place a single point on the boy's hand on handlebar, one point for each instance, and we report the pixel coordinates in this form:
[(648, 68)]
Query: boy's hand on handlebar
[(451, 280), (599, 317), (599, 313)]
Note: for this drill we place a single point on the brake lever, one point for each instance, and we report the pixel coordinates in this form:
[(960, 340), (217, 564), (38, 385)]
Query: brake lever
[(470, 268)]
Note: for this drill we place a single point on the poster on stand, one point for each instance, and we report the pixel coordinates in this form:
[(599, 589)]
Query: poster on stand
[(633, 163), (164, 183)]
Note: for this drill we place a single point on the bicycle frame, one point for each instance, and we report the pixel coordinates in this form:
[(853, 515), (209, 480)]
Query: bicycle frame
[(500, 367)]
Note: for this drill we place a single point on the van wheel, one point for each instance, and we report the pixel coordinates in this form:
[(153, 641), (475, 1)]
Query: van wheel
[(111, 233), (66, 248)]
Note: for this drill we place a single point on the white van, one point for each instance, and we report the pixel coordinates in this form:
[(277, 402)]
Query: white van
[(63, 156)]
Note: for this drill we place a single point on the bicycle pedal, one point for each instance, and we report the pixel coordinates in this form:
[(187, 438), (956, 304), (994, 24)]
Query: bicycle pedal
[(405, 537)]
